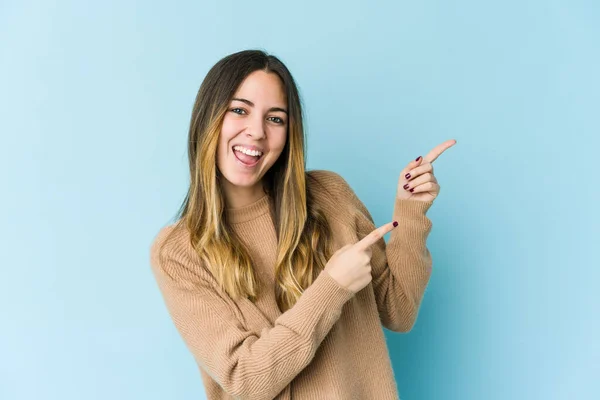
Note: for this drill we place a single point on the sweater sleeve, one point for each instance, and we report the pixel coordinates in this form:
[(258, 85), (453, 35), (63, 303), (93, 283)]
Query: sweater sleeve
[(245, 364), (402, 268)]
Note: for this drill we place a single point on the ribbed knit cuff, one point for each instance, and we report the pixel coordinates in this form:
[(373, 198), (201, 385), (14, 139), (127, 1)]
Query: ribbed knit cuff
[(413, 224), (332, 289), (410, 207)]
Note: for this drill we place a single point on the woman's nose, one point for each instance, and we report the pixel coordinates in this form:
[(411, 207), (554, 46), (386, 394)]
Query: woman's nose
[(256, 129)]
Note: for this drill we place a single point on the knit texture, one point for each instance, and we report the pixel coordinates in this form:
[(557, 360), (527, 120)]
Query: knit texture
[(330, 344)]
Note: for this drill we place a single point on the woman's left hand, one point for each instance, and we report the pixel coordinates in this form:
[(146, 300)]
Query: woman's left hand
[(417, 181)]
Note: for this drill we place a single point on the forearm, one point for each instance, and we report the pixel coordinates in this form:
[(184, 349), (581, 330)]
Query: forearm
[(245, 364), (401, 272)]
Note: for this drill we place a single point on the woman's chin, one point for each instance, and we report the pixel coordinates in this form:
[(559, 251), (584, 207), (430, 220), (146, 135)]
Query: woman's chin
[(242, 179)]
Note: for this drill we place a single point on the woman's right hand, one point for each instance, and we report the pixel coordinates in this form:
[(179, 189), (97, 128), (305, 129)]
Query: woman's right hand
[(350, 266)]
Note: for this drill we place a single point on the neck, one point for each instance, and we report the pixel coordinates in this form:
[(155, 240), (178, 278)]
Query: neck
[(240, 196)]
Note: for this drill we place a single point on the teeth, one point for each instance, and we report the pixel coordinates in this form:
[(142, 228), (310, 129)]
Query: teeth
[(247, 151)]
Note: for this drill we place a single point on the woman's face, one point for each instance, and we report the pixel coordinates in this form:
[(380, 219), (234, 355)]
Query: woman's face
[(257, 116)]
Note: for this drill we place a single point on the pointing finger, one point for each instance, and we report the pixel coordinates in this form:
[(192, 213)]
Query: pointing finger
[(375, 235), (438, 150)]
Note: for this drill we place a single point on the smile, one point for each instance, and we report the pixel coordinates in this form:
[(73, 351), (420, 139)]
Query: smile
[(246, 160)]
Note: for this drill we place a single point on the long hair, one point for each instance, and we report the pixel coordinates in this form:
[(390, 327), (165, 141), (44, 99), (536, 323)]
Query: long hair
[(303, 233)]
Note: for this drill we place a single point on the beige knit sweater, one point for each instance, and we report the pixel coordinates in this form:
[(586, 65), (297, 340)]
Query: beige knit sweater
[(330, 344)]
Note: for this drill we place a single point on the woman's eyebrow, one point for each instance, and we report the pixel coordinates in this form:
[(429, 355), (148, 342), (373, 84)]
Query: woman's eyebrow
[(251, 104)]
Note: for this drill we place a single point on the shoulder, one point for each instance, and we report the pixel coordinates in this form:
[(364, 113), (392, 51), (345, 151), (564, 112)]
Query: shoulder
[(325, 176), (334, 193), (172, 253), (329, 180), (333, 184)]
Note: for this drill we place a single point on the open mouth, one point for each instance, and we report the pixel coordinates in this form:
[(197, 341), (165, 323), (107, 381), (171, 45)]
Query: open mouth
[(245, 159)]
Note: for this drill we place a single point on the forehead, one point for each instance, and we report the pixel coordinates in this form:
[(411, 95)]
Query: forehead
[(261, 86)]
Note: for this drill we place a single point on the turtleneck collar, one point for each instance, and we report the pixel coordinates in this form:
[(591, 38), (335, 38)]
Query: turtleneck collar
[(250, 211)]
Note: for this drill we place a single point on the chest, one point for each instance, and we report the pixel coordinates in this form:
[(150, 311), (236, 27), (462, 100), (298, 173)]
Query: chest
[(262, 250)]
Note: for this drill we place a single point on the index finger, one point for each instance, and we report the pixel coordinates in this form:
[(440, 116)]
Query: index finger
[(439, 149), (374, 236)]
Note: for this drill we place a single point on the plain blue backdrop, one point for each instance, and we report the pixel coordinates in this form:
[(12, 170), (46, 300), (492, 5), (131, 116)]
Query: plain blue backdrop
[(95, 104)]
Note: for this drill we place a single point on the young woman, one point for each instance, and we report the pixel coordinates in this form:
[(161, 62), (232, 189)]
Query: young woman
[(276, 277)]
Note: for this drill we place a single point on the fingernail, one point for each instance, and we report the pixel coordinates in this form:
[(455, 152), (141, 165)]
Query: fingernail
[(395, 224), (412, 190), (418, 158), (406, 186), (407, 176)]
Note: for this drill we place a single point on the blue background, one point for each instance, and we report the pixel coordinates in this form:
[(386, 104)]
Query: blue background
[(95, 106)]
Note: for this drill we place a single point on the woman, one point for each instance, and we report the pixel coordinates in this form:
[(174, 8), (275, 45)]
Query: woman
[(276, 277)]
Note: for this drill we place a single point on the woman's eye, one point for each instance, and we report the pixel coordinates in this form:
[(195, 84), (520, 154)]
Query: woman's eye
[(241, 111), (278, 120)]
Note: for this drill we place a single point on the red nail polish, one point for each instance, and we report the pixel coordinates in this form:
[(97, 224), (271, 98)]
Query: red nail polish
[(407, 176), (412, 190), (406, 186), (395, 224), (418, 158)]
